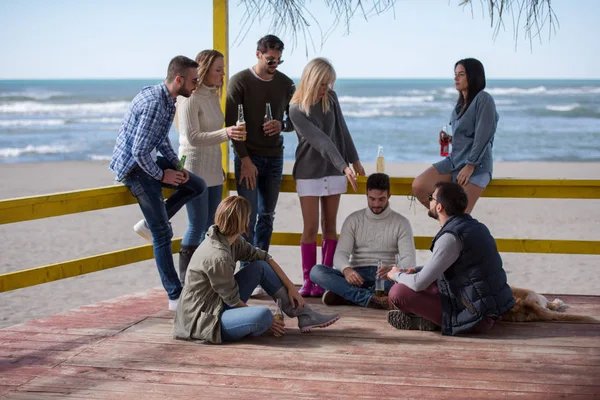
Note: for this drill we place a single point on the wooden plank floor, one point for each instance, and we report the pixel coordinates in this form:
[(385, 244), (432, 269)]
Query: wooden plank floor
[(122, 349)]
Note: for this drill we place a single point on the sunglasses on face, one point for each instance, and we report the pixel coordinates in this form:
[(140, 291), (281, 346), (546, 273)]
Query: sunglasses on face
[(270, 63), (431, 197)]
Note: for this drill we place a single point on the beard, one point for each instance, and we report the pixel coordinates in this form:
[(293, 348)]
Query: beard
[(379, 210), (433, 214)]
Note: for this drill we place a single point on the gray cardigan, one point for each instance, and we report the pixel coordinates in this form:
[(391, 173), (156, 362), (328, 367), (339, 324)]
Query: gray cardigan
[(209, 285), (325, 146)]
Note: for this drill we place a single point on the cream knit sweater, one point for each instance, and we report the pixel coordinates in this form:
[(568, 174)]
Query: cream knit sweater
[(201, 132), (370, 237)]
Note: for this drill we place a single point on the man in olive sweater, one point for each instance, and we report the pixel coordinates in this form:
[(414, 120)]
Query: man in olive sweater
[(259, 159)]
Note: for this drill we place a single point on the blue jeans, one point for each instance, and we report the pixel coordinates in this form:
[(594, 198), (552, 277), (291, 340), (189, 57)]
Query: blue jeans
[(237, 323), (201, 215), (332, 279), (157, 213), (263, 198)]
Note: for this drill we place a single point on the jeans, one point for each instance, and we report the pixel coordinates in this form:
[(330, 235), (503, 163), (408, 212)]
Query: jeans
[(263, 198), (237, 323), (201, 215), (332, 279), (157, 213)]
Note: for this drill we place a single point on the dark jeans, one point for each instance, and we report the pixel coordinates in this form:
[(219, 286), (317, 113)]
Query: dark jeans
[(332, 279), (237, 323), (157, 213), (263, 198), (201, 215)]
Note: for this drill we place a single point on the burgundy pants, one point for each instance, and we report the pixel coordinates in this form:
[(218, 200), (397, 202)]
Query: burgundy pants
[(427, 304)]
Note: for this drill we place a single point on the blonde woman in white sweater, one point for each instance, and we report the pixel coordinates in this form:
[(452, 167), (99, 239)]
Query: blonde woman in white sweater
[(200, 122)]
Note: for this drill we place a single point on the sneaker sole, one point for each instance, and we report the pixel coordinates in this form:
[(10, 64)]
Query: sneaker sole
[(307, 329), (400, 320)]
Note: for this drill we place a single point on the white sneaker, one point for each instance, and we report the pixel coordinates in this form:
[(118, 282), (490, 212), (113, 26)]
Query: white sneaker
[(173, 304), (259, 291), (141, 228)]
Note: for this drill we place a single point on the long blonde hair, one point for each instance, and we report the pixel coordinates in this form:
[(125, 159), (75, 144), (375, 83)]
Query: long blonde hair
[(316, 72), (205, 60)]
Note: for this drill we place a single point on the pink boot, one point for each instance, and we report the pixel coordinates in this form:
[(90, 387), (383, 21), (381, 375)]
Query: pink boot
[(327, 251), (309, 259)]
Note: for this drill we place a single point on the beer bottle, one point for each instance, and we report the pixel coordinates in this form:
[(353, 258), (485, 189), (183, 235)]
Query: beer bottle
[(379, 282), (240, 120), (279, 312), (380, 161)]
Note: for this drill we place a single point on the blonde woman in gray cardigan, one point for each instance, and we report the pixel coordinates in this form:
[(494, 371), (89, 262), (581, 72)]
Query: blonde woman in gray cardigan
[(212, 307), (200, 123), (323, 158)]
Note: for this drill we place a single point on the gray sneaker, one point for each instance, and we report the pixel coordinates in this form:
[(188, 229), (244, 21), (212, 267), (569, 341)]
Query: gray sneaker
[(309, 319), (401, 320)]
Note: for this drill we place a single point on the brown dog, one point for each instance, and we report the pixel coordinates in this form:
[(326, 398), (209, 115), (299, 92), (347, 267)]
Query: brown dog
[(531, 306)]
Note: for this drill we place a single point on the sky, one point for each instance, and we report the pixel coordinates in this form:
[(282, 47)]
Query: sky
[(82, 39)]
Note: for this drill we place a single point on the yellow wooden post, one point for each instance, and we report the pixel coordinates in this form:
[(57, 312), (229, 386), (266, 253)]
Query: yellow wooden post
[(221, 43)]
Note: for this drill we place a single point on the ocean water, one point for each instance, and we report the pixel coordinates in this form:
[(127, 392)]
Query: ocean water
[(540, 120)]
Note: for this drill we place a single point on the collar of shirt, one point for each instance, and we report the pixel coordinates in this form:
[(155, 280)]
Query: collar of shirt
[(170, 101)]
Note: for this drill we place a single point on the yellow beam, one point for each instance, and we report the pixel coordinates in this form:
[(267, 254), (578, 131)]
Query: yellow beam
[(54, 272), (44, 274), (221, 43), (30, 208), (52, 205)]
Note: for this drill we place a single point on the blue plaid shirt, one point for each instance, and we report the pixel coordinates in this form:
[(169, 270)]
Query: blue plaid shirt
[(145, 128)]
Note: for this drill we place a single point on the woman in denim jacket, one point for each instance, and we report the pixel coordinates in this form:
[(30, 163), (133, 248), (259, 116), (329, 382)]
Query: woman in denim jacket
[(473, 121)]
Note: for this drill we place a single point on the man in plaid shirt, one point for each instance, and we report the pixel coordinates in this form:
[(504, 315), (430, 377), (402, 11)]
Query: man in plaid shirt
[(145, 130)]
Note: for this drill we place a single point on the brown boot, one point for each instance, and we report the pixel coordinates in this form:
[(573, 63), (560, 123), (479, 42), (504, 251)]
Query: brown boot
[(379, 303), (333, 299)]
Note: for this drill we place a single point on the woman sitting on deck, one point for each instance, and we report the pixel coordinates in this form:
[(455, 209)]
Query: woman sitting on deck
[(212, 306)]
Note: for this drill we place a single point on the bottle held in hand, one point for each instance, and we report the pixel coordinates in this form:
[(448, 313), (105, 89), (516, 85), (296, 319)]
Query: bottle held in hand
[(279, 312), (268, 113), (444, 142), (241, 121), (181, 163)]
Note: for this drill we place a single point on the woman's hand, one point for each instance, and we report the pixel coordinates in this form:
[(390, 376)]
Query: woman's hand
[(236, 132), (351, 178), (360, 170), (464, 174), (295, 299), (277, 328), (444, 135)]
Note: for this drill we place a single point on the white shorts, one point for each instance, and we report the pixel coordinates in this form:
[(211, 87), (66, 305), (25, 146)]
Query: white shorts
[(327, 186)]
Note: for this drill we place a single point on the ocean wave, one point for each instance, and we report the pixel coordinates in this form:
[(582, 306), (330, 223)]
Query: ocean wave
[(33, 95), (386, 99), (99, 120), (538, 90), (564, 108), (381, 113), (31, 107), (13, 123), (98, 157), (8, 152)]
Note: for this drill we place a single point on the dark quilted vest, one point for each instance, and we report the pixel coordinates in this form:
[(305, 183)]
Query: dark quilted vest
[(474, 287)]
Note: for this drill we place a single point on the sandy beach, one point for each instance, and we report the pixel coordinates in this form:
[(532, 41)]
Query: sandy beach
[(30, 244)]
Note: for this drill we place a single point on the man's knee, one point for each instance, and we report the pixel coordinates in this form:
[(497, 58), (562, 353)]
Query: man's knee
[(400, 295), (162, 232), (267, 218), (319, 274)]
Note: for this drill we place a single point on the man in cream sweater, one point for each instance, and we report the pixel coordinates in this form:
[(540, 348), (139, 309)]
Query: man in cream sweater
[(368, 235)]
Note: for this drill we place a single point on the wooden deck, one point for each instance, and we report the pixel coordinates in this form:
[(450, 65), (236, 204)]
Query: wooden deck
[(122, 349)]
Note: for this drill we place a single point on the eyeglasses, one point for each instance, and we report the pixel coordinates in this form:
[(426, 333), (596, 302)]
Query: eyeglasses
[(195, 81), (431, 197), (270, 63)]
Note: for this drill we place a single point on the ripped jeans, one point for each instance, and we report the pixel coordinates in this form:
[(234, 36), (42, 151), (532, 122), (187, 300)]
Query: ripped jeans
[(263, 198)]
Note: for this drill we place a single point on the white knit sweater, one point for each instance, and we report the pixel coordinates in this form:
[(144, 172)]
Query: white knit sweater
[(371, 237), (201, 132)]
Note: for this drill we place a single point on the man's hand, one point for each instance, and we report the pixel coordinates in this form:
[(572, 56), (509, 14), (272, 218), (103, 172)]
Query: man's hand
[(272, 127), (248, 173), (174, 178), (186, 175), (277, 328), (383, 271), (352, 277), (296, 300)]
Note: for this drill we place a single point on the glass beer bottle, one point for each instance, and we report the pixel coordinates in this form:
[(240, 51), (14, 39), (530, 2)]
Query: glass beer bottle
[(240, 120), (268, 114), (379, 282), (279, 312), (380, 166)]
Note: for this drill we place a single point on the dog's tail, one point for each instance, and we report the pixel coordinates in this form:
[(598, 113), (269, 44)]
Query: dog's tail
[(537, 313)]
